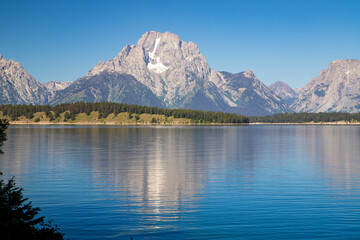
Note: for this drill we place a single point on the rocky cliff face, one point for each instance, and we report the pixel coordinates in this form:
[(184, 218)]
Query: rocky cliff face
[(179, 75), (18, 87), (284, 92), (336, 89)]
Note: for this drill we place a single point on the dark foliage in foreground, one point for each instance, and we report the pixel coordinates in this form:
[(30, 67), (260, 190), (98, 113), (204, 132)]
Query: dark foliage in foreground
[(3, 126), (18, 219), (308, 117), (106, 108)]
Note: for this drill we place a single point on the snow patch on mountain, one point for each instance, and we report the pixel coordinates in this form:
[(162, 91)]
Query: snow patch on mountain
[(158, 66), (180, 76)]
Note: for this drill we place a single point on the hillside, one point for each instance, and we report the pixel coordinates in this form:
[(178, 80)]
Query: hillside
[(112, 113)]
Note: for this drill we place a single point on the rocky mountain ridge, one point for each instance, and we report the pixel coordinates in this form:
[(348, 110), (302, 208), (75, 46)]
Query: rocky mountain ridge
[(178, 74), (17, 86), (162, 70), (335, 89), (56, 85)]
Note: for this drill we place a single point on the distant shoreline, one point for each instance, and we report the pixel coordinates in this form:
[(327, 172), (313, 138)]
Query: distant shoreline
[(308, 123), (125, 124)]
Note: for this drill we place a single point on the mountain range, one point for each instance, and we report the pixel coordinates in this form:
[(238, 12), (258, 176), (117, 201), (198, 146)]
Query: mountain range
[(162, 70)]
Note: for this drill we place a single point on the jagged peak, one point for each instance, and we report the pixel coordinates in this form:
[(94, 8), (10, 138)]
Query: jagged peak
[(279, 84), (56, 85), (2, 59), (345, 61), (9, 63), (150, 40), (156, 35), (341, 64), (157, 49), (249, 74)]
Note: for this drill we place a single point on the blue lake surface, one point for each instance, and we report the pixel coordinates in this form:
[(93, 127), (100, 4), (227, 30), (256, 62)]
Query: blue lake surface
[(226, 182)]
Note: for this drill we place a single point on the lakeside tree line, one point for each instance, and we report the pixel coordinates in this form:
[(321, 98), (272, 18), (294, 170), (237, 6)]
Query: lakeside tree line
[(308, 117), (105, 108)]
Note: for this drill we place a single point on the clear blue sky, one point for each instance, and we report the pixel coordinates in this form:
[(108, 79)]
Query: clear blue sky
[(288, 41)]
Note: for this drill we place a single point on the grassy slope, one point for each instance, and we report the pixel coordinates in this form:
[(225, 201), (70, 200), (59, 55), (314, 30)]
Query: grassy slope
[(120, 119)]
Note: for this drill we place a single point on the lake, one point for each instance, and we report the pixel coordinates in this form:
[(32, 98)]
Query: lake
[(216, 182)]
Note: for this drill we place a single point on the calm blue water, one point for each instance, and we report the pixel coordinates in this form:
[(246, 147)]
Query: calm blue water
[(231, 182)]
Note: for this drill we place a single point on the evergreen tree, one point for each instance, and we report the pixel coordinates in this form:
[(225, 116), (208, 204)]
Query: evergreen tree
[(3, 126), (70, 110), (51, 116), (18, 219)]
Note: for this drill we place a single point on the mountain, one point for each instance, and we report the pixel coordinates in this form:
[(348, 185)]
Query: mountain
[(17, 86), (336, 89), (54, 86), (107, 87), (160, 70), (284, 91), (247, 95), (179, 75), (173, 70)]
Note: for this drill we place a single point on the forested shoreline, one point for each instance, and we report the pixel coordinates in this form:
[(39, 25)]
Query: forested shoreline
[(107, 111), (69, 112), (308, 118)]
